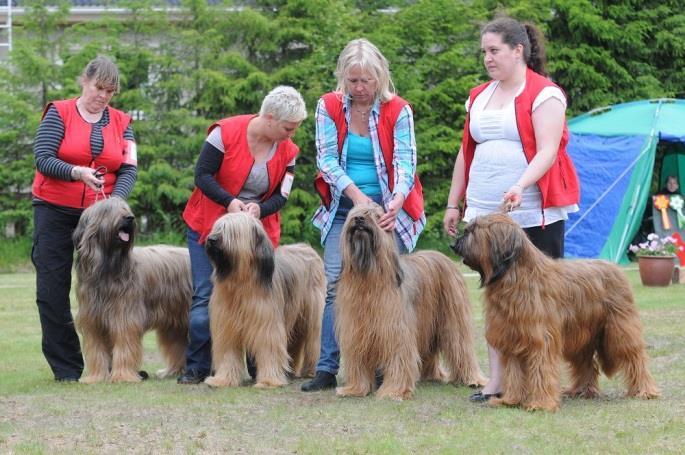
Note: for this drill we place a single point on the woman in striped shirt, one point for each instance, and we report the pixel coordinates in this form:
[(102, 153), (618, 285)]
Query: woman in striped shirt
[(84, 150)]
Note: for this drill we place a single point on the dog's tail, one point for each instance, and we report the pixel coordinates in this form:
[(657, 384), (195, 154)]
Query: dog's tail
[(622, 347)]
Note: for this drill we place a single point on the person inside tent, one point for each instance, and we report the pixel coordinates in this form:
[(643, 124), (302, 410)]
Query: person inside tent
[(671, 187)]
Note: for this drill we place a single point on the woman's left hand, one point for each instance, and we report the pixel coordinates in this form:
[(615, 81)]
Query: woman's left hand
[(512, 198), (253, 209), (387, 220)]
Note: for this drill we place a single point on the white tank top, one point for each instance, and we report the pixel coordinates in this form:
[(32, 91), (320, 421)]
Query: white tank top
[(499, 161)]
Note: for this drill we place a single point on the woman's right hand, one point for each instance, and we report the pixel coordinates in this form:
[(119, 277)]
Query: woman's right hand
[(88, 176), (451, 221), (356, 195)]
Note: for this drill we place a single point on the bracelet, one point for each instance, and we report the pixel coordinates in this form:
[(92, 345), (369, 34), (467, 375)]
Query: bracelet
[(452, 207)]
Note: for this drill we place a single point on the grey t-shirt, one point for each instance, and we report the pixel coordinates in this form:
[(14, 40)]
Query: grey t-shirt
[(257, 183)]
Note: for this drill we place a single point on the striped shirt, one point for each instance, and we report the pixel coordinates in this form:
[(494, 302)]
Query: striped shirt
[(49, 138), (333, 164)]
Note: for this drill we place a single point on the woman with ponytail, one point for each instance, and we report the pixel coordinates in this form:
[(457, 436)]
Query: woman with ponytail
[(513, 151)]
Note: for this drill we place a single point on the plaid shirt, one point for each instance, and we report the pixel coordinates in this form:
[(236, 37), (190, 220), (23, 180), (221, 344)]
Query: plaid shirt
[(333, 164)]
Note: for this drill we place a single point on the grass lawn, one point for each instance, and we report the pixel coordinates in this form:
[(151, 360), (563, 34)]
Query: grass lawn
[(38, 415)]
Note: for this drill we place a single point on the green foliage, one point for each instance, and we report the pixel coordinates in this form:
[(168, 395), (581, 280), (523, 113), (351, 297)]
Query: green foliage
[(182, 70)]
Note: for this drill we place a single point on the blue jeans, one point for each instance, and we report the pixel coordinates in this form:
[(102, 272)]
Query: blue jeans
[(199, 350), (329, 356)]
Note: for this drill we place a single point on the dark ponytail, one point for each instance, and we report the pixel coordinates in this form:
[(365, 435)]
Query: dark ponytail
[(528, 35), (537, 58)]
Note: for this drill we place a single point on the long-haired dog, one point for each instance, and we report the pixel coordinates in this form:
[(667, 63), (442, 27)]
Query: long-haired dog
[(539, 311), (267, 302), (124, 291), (398, 313)]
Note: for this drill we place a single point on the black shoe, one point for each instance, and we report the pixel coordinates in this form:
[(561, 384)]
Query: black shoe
[(322, 380), (379, 379), (143, 375), (251, 366), (66, 379), (480, 397), (191, 377)]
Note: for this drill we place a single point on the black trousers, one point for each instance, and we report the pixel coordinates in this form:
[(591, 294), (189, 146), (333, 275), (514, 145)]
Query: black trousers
[(52, 255), (549, 240)]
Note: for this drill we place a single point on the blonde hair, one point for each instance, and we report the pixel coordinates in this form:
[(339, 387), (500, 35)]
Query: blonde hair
[(362, 53), (285, 104), (103, 71)]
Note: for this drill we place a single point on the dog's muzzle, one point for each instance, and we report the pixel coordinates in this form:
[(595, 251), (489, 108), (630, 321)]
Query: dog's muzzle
[(126, 228), (458, 245)]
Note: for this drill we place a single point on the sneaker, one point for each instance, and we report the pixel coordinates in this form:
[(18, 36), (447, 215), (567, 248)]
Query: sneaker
[(322, 380), (191, 377)]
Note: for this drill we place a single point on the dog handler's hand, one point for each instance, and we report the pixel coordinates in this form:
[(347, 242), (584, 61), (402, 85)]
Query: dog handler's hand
[(236, 206), (387, 220), (451, 220), (512, 198), (87, 176), (253, 209)]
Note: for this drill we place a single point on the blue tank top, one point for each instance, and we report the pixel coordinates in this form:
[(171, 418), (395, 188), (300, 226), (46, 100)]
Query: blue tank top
[(361, 167)]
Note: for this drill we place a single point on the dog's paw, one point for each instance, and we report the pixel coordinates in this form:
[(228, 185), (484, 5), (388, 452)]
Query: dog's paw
[(645, 394), (216, 381), (92, 379), (125, 376), (270, 384), (352, 391), (587, 393), (395, 395), (542, 405)]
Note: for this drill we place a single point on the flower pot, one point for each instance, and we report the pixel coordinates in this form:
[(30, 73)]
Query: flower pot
[(656, 270)]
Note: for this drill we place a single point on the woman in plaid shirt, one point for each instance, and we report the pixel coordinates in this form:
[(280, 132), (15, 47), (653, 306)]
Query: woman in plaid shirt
[(366, 152)]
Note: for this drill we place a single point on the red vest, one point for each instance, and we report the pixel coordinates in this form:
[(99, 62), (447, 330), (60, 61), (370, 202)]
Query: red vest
[(75, 149), (559, 185), (390, 110), (201, 212)]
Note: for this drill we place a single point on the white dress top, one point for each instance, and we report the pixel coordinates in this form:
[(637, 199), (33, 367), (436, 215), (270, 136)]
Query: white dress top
[(499, 161)]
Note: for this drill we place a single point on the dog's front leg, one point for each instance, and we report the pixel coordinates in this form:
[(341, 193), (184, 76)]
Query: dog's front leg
[(127, 355), (97, 357), (512, 380), (359, 376), (543, 359), (272, 358), (227, 360)]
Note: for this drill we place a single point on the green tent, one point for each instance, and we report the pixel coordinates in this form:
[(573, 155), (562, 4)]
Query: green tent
[(623, 154)]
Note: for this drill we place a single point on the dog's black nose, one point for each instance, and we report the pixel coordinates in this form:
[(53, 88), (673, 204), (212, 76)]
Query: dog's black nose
[(456, 246)]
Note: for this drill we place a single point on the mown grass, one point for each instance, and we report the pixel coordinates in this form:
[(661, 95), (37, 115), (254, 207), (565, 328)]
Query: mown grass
[(40, 416)]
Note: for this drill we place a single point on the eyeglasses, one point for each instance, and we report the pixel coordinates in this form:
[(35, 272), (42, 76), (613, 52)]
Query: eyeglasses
[(362, 81)]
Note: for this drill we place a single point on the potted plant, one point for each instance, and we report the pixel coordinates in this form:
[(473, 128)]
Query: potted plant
[(656, 259)]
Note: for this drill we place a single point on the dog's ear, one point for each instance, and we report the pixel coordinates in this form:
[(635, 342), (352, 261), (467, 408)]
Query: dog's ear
[(264, 255), (505, 249)]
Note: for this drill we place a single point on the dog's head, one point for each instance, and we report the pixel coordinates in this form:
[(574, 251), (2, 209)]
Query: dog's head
[(364, 245), (107, 226), (490, 245), (239, 240)]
